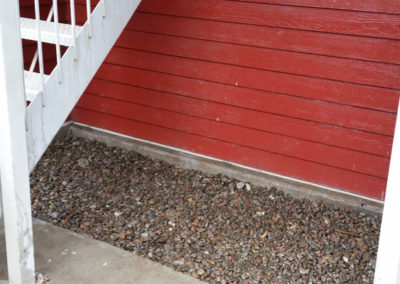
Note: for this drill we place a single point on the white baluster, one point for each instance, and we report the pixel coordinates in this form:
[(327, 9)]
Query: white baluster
[(58, 50), (40, 48), (35, 57), (103, 3), (73, 24), (88, 12)]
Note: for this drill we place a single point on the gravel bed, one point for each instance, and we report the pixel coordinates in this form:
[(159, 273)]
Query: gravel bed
[(212, 227)]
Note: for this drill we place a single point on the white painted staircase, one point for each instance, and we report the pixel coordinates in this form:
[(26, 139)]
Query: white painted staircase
[(33, 106)]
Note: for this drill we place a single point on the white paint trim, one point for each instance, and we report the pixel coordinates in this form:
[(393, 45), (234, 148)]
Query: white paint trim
[(13, 150), (1, 205), (388, 260)]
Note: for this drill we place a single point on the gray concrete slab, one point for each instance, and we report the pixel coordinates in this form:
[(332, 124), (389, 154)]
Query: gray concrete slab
[(67, 257)]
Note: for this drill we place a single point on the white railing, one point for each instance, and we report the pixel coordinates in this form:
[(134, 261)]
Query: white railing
[(58, 49), (14, 187), (51, 98), (54, 14), (35, 57), (88, 10), (73, 27), (39, 46)]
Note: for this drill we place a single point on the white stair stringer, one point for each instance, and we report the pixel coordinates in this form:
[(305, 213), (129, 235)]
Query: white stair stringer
[(33, 85), (44, 122)]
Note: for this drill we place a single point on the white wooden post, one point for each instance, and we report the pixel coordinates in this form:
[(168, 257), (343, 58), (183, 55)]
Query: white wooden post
[(1, 206), (13, 150), (387, 269)]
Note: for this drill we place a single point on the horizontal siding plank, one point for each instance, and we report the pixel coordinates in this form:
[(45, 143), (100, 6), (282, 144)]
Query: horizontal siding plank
[(83, 2), (284, 145), (212, 105), (355, 71), (364, 48), (28, 11), (30, 3), (80, 11), (30, 47), (290, 84), (322, 20), (380, 6), (251, 99), (358, 183), (373, 121)]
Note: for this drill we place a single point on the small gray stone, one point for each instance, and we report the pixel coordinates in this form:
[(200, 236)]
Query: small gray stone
[(177, 262), (83, 163), (240, 185), (54, 215), (304, 271), (200, 271)]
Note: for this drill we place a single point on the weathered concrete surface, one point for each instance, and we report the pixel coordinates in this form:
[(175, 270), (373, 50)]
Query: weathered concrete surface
[(67, 257)]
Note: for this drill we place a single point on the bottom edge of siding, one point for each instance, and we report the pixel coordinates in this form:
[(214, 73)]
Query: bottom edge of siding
[(191, 160)]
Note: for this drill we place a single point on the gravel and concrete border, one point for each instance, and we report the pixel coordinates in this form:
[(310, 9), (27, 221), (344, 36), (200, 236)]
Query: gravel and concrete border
[(210, 226), (66, 257)]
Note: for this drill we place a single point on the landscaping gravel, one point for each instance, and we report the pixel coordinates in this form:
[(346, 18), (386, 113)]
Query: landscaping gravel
[(212, 227)]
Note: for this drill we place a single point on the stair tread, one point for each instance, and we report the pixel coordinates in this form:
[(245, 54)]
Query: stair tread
[(33, 84), (48, 31)]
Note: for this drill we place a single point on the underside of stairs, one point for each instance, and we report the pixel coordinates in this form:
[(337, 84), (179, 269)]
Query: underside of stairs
[(40, 103), (52, 101)]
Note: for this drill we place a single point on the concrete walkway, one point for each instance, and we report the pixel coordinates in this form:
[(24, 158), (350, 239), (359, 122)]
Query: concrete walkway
[(67, 257)]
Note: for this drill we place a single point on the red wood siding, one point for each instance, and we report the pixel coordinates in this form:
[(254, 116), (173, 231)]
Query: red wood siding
[(306, 89)]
